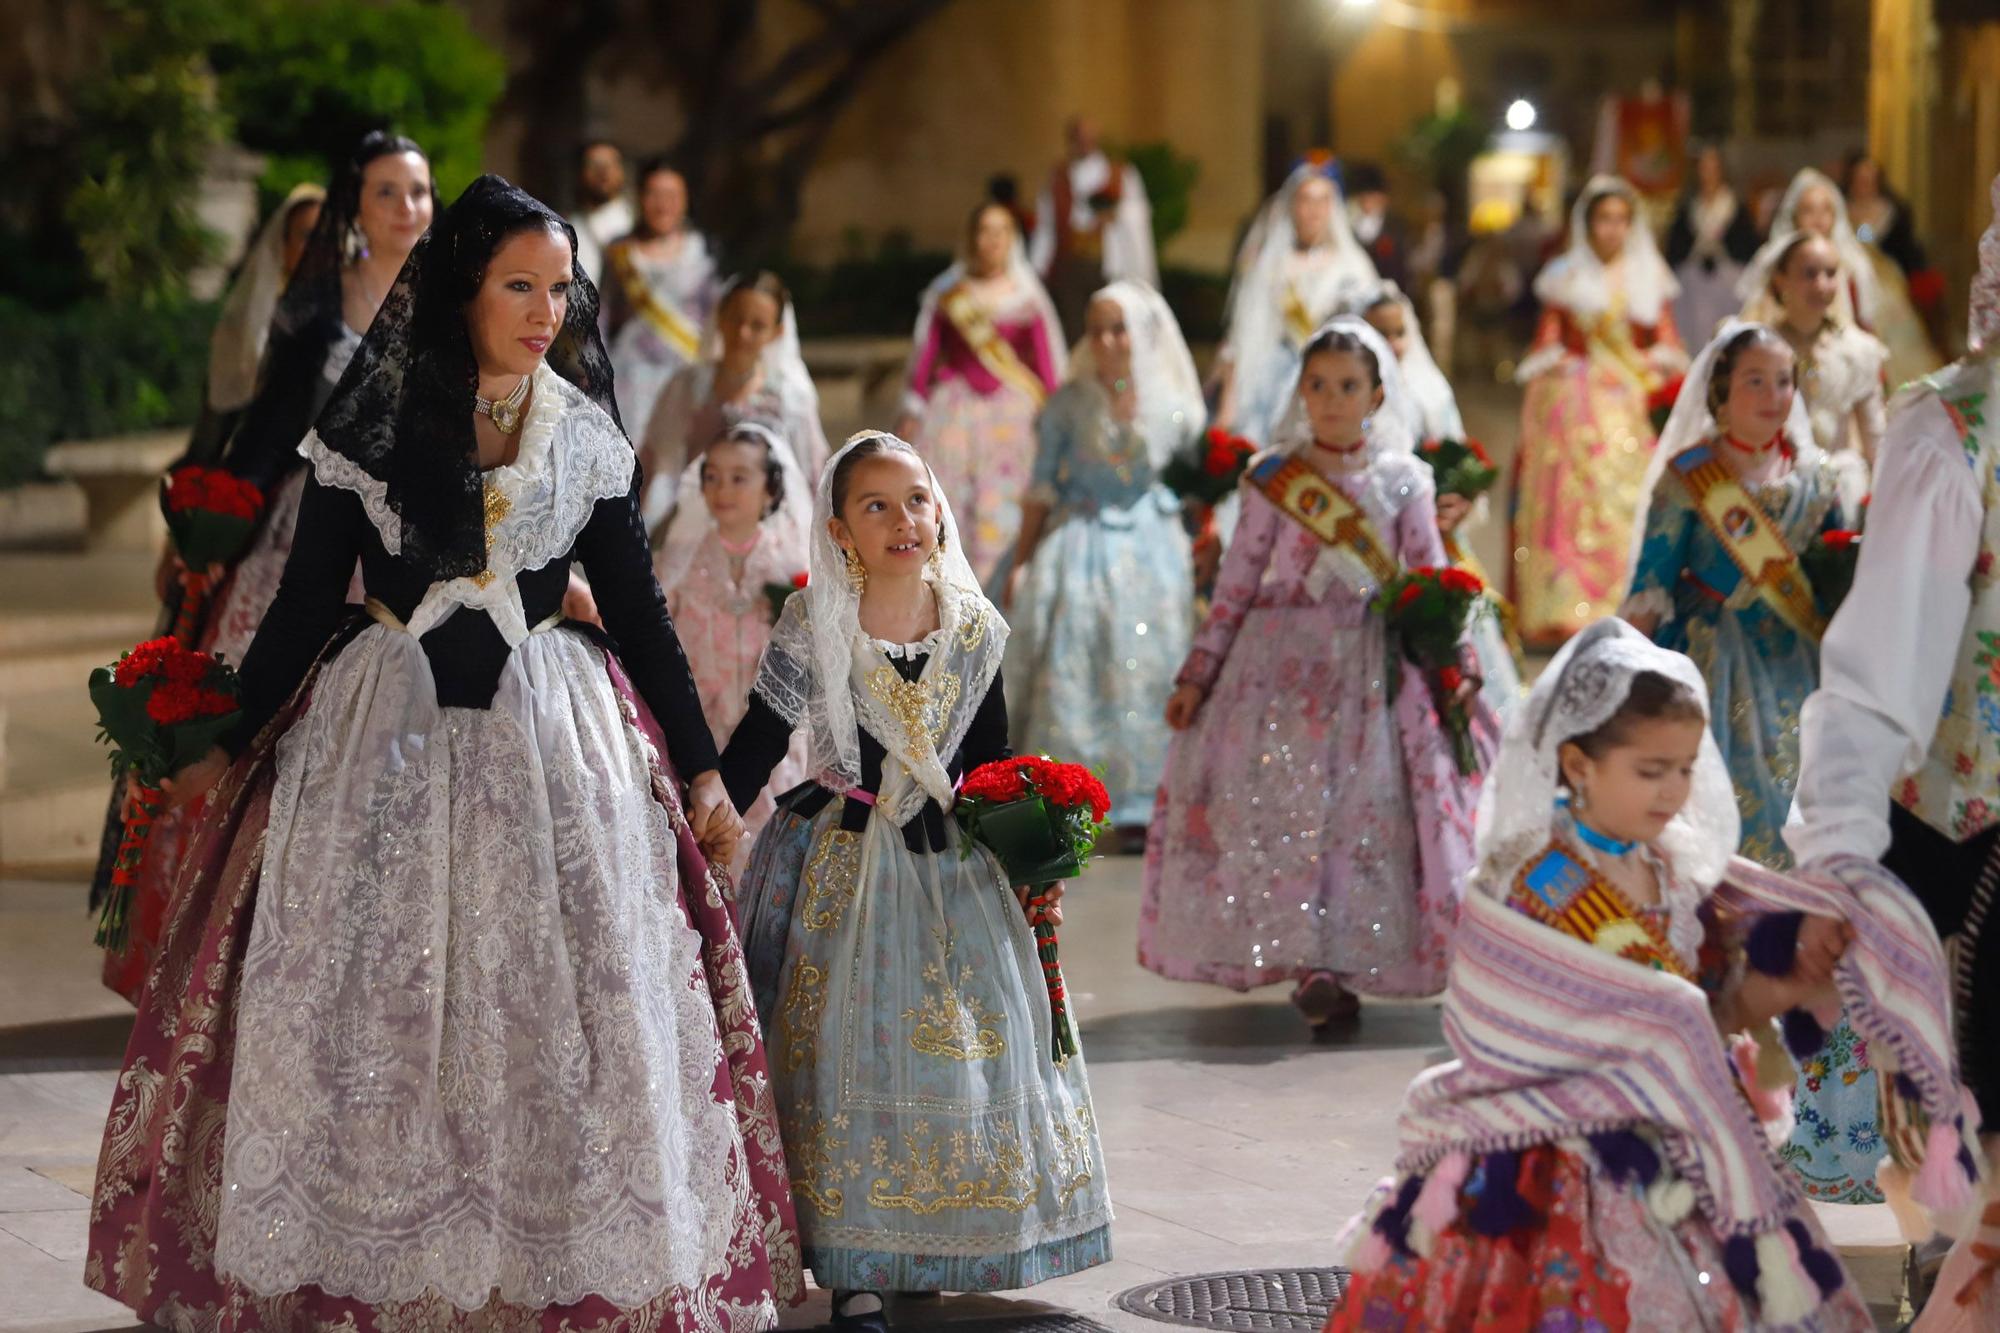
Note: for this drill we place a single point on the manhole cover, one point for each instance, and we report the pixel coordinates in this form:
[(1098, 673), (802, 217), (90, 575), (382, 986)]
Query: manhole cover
[(1286, 1298)]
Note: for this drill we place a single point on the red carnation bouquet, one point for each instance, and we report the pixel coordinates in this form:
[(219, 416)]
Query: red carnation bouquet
[(1211, 470), (1459, 467), (1426, 609), (211, 514), (1660, 402), (1041, 819), (780, 593), (161, 707)]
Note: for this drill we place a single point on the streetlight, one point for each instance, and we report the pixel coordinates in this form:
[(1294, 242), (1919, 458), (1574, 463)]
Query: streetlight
[(1520, 114)]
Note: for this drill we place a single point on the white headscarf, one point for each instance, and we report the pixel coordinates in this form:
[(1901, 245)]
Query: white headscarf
[(236, 350), (1576, 279), (1170, 407), (1430, 392), (1026, 282), (1691, 422), (692, 527), (1256, 316), (1394, 427), (1755, 286), (1581, 690), (808, 670)]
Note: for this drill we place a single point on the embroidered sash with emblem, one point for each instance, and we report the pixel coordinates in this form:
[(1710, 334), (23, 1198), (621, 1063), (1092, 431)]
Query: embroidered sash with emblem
[(1754, 544), (976, 326), (1565, 894), (1318, 506), (664, 320)]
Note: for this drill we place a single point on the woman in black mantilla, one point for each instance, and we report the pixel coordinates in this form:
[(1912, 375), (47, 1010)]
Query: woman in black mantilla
[(446, 961), (380, 203)]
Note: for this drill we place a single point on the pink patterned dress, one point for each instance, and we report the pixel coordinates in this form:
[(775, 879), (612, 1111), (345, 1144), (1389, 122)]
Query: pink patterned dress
[(1307, 821), (976, 430), (724, 618)]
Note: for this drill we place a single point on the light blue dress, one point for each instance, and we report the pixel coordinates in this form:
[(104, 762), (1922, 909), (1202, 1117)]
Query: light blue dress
[(1104, 610), (1759, 671)]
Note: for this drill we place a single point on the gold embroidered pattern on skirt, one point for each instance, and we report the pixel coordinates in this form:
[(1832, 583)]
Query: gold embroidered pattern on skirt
[(831, 877), (805, 1004), (815, 1174), (950, 1021), (927, 1179), (1073, 1142)]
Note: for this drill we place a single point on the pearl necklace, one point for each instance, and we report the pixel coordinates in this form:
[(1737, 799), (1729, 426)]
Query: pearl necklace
[(506, 412)]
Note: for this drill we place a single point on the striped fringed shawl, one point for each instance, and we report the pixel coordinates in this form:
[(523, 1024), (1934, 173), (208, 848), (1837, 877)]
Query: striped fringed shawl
[(1560, 1042), (1896, 989)]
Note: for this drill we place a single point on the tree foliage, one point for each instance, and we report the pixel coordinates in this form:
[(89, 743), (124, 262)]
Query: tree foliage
[(304, 81), (1170, 179), (146, 121)]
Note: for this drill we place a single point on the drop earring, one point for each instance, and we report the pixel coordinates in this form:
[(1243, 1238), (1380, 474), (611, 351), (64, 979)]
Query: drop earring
[(857, 573), (1579, 801)]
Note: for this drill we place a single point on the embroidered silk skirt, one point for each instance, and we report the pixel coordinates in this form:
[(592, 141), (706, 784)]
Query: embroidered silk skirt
[(934, 1143)]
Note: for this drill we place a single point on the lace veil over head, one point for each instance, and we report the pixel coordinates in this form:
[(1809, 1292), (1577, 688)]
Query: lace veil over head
[(1430, 393), (403, 411), (1394, 427), (1581, 690), (1578, 281), (1163, 374), (692, 526), (236, 350), (1692, 422), (807, 672), (1862, 303)]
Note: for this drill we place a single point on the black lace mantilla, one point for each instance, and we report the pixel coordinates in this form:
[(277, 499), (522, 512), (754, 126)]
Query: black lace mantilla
[(403, 411), (306, 324)]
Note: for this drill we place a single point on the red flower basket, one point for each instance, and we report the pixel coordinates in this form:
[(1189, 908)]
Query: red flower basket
[(1040, 819), (211, 514), (1427, 609), (161, 707)]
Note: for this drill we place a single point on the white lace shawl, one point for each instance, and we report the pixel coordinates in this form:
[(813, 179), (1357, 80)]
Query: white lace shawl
[(571, 456), (1577, 280), (823, 672)]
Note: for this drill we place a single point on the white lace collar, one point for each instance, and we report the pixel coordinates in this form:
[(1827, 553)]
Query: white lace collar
[(571, 455), (909, 652)]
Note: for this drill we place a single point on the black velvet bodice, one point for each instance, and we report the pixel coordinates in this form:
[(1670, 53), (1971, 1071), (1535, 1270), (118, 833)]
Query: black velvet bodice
[(466, 650), (762, 738)]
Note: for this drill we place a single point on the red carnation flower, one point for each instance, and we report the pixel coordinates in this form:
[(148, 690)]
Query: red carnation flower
[(1451, 678), (1410, 594), (1461, 581), (800, 579), (1840, 538)]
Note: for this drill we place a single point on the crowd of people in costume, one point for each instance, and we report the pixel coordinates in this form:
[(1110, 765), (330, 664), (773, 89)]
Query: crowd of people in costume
[(575, 930)]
